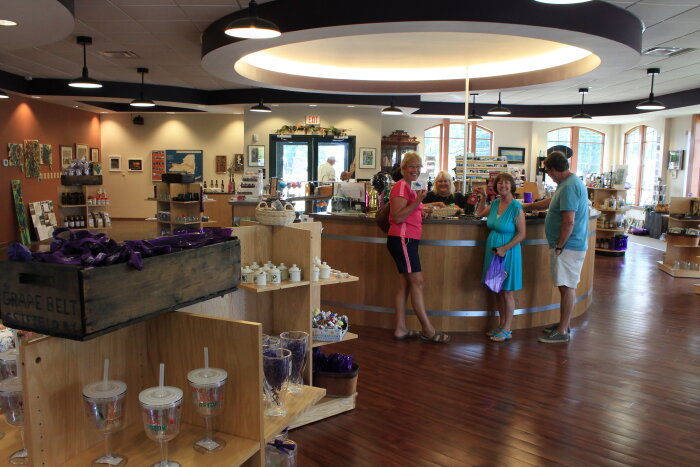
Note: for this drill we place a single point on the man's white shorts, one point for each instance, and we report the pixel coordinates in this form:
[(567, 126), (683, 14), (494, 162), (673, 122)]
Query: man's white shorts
[(566, 268)]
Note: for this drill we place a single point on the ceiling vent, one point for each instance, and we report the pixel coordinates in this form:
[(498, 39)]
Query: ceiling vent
[(666, 51), (118, 54)]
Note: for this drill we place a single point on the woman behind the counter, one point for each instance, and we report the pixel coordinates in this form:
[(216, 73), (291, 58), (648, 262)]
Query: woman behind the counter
[(506, 222), (405, 228), (443, 193)]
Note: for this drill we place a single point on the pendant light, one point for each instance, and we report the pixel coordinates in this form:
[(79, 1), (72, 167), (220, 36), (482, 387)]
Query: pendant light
[(472, 109), (252, 26), (260, 107), (391, 110), (651, 103), (581, 114), (499, 109), (3, 95), (141, 102), (84, 81)]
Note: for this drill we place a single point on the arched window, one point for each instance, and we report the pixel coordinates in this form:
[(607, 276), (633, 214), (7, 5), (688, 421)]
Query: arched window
[(587, 144), (481, 142), (432, 142), (643, 159)]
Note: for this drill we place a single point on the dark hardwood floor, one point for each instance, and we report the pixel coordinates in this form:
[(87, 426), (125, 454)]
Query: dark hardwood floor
[(624, 391)]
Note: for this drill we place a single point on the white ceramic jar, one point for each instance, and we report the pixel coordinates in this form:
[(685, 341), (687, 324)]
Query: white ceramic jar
[(284, 272), (254, 266), (260, 278), (294, 274), (324, 271), (314, 273), (246, 275), (273, 275)]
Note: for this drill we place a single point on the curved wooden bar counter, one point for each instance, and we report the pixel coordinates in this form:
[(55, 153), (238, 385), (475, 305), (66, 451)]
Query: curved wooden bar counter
[(452, 255)]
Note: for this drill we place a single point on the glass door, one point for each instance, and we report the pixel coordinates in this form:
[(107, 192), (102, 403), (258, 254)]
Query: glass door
[(339, 149), (293, 159), (296, 158)]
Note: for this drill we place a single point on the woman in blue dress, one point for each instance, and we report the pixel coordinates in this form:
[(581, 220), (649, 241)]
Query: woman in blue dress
[(506, 222)]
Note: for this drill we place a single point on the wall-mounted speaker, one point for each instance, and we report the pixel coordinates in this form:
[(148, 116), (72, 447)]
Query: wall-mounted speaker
[(138, 120)]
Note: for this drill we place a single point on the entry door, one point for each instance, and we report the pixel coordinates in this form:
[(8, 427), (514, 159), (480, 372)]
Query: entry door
[(293, 158), (296, 158)]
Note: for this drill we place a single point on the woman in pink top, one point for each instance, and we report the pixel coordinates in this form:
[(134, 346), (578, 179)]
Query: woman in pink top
[(405, 226)]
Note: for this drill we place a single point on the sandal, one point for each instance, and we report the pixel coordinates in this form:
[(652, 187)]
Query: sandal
[(501, 336), (438, 338), (494, 331), (410, 334)]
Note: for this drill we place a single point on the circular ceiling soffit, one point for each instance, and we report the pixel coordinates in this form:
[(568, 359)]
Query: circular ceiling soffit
[(362, 51), (39, 22)]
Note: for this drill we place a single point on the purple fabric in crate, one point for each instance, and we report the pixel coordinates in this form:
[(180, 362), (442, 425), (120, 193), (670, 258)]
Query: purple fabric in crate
[(83, 248), (496, 274)]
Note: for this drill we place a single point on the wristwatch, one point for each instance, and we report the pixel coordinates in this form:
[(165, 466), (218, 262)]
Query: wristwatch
[(558, 249)]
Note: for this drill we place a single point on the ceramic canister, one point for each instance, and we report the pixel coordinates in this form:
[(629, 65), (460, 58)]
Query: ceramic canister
[(315, 271), (246, 275), (324, 271), (260, 278), (284, 272), (273, 275), (294, 273)]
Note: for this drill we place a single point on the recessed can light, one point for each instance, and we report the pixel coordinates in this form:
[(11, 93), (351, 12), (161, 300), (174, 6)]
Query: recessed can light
[(7, 22)]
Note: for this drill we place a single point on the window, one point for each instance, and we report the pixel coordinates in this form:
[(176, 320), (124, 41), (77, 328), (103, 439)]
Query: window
[(587, 145), (432, 139), (643, 159), (481, 142)]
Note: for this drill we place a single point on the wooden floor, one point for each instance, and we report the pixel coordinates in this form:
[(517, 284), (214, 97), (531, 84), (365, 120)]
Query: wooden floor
[(624, 391)]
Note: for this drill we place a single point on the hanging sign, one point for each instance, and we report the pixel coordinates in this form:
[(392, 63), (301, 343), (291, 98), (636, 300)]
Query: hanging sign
[(313, 119)]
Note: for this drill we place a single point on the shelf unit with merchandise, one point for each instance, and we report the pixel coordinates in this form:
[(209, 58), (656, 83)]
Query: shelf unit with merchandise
[(176, 207), (681, 259), (82, 206), (610, 230)]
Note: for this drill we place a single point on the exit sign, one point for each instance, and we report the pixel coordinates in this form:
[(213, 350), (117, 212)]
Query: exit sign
[(313, 119)]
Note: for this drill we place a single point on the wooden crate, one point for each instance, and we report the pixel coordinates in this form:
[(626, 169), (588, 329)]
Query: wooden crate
[(67, 301)]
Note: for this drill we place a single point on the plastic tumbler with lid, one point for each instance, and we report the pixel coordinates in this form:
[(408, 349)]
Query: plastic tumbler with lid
[(104, 403), (208, 388), (11, 402), (161, 410)]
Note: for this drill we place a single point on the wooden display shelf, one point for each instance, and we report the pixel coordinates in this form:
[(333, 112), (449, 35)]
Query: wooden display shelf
[(607, 252), (140, 450), (610, 251), (697, 221), (296, 405), (326, 407), (610, 210), (678, 272), (271, 287), (610, 230), (347, 337), (336, 280), (11, 442)]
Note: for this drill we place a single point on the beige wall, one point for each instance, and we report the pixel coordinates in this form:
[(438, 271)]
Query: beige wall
[(213, 133), (678, 139)]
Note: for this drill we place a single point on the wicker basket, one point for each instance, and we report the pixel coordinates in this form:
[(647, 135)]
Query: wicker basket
[(447, 211), (270, 216)]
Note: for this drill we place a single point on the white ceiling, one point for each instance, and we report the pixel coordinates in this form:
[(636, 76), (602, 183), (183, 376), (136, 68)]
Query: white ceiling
[(165, 34)]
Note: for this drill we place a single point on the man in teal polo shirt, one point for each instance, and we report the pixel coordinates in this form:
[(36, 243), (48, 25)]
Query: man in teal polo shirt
[(566, 227)]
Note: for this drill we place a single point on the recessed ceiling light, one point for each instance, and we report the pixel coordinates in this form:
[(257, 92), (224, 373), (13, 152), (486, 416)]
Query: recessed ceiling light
[(36, 97), (351, 106), (171, 113), (200, 106), (76, 106), (313, 105), (7, 22)]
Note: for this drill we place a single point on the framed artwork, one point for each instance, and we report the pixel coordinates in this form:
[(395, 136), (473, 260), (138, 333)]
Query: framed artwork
[(94, 154), (82, 152), (115, 163), (32, 158), (46, 154), (512, 155), (189, 161), (135, 165), (157, 165), (675, 160), (238, 163), (66, 156), (220, 164), (368, 158), (256, 156), (15, 154)]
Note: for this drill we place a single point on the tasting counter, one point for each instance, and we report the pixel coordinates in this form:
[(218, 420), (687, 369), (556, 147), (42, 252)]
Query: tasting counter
[(452, 256)]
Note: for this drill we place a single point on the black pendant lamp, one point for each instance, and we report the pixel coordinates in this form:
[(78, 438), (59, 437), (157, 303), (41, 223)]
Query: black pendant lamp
[(392, 110), (260, 107), (581, 114), (651, 103), (472, 108), (84, 81), (499, 109), (141, 102), (252, 26)]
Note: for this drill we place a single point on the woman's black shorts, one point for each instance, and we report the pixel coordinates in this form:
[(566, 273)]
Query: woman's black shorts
[(405, 253)]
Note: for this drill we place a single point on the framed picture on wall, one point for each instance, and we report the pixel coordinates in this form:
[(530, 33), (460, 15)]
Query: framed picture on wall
[(238, 163), (256, 156), (675, 160), (82, 152), (115, 163), (94, 154), (66, 156), (220, 164), (512, 155), (368, 158), (135, 165)]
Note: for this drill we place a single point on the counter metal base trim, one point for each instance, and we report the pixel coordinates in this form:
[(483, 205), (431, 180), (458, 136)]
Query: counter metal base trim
[(456, 313)]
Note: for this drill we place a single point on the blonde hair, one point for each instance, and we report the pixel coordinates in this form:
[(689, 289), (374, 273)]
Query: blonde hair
[(446, 175), (408, 157)]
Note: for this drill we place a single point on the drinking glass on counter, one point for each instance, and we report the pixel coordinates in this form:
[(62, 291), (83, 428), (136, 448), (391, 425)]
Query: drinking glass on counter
[(276, 368), (208, 386), (297, 342)]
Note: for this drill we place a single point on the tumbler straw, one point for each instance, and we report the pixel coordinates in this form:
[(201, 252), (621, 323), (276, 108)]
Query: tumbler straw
[(161, 379), (206, 357), (105, 373), (19, 360)]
